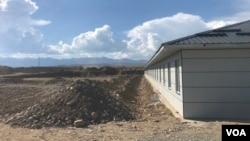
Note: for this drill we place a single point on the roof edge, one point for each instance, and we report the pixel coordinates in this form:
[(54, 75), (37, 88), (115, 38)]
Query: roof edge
[(177, 48)]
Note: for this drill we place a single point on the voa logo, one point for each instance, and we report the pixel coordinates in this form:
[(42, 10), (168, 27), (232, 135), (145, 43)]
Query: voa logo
[(236, 132)]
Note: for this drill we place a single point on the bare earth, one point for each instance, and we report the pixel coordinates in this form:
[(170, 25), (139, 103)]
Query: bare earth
[(153, 121)]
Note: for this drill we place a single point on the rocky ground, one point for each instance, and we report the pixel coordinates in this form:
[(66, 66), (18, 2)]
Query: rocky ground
[(110, 107)]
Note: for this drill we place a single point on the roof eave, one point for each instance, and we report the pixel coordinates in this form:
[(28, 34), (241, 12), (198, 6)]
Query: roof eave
[(168, 50)]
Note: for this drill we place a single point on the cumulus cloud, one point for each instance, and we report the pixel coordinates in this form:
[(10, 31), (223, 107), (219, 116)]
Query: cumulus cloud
[(144, 39), (20, 37), (3, 5), (91, 43), (141, 42), (18, 30)]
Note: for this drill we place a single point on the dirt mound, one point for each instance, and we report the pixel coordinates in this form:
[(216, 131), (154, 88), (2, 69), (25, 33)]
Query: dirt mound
[(79, 103), (55, 80)]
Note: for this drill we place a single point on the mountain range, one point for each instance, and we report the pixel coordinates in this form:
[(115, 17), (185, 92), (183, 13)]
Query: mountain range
[(32, 62)]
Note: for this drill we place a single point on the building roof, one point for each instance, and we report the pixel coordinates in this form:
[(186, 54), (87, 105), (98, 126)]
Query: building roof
[(237, 33), (231, 35)]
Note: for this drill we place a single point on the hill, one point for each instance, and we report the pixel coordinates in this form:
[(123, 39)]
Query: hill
[(31, 62)]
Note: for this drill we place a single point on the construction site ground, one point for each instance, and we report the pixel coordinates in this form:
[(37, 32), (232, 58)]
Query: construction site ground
[(116, 106)]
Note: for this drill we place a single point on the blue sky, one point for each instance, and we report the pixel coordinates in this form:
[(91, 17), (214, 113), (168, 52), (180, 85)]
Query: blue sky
[(107, 28)]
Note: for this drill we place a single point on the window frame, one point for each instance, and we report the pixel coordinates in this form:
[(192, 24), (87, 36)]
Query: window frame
[(177, 76), (164, 75), (169, 75), (160, 73)]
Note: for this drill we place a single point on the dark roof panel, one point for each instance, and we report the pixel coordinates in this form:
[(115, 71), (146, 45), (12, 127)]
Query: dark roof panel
[(243, 33), (237, 33), (227, 30)]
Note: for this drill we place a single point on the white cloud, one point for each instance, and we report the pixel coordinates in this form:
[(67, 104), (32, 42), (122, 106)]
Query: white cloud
[(3, 5), (32, 5), (18, 30), (142, 41), (218, 23), (22, 55), (91, 43), (39, 22), (242, 14), (20, 37), (146, 38)]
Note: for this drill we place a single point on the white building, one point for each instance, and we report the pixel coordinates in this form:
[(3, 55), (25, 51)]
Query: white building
[(206, 75)]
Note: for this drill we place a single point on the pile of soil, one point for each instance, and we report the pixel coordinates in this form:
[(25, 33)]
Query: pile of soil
[(55, 80), (79, 103)]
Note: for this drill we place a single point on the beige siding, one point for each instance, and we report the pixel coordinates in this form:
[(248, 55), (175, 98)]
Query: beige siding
[(217, 110), (216, 83), (216, 64), (174, 100), (217, 95), (155, 72), (217, 53), (217, 79)]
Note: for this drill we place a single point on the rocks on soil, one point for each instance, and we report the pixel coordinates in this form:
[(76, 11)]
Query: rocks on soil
[(78, 103), (79, 123)]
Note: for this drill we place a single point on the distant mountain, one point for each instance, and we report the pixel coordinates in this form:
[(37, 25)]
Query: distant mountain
[(31, 62)]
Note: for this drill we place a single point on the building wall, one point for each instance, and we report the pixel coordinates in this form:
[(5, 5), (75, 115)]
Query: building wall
[(158, 76), (216, 83)]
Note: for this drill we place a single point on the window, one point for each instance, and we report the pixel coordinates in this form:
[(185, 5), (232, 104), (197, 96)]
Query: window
[(169, 75), (177, 75), (160, 73), (157, 74), (164, 75), (154, 72)]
